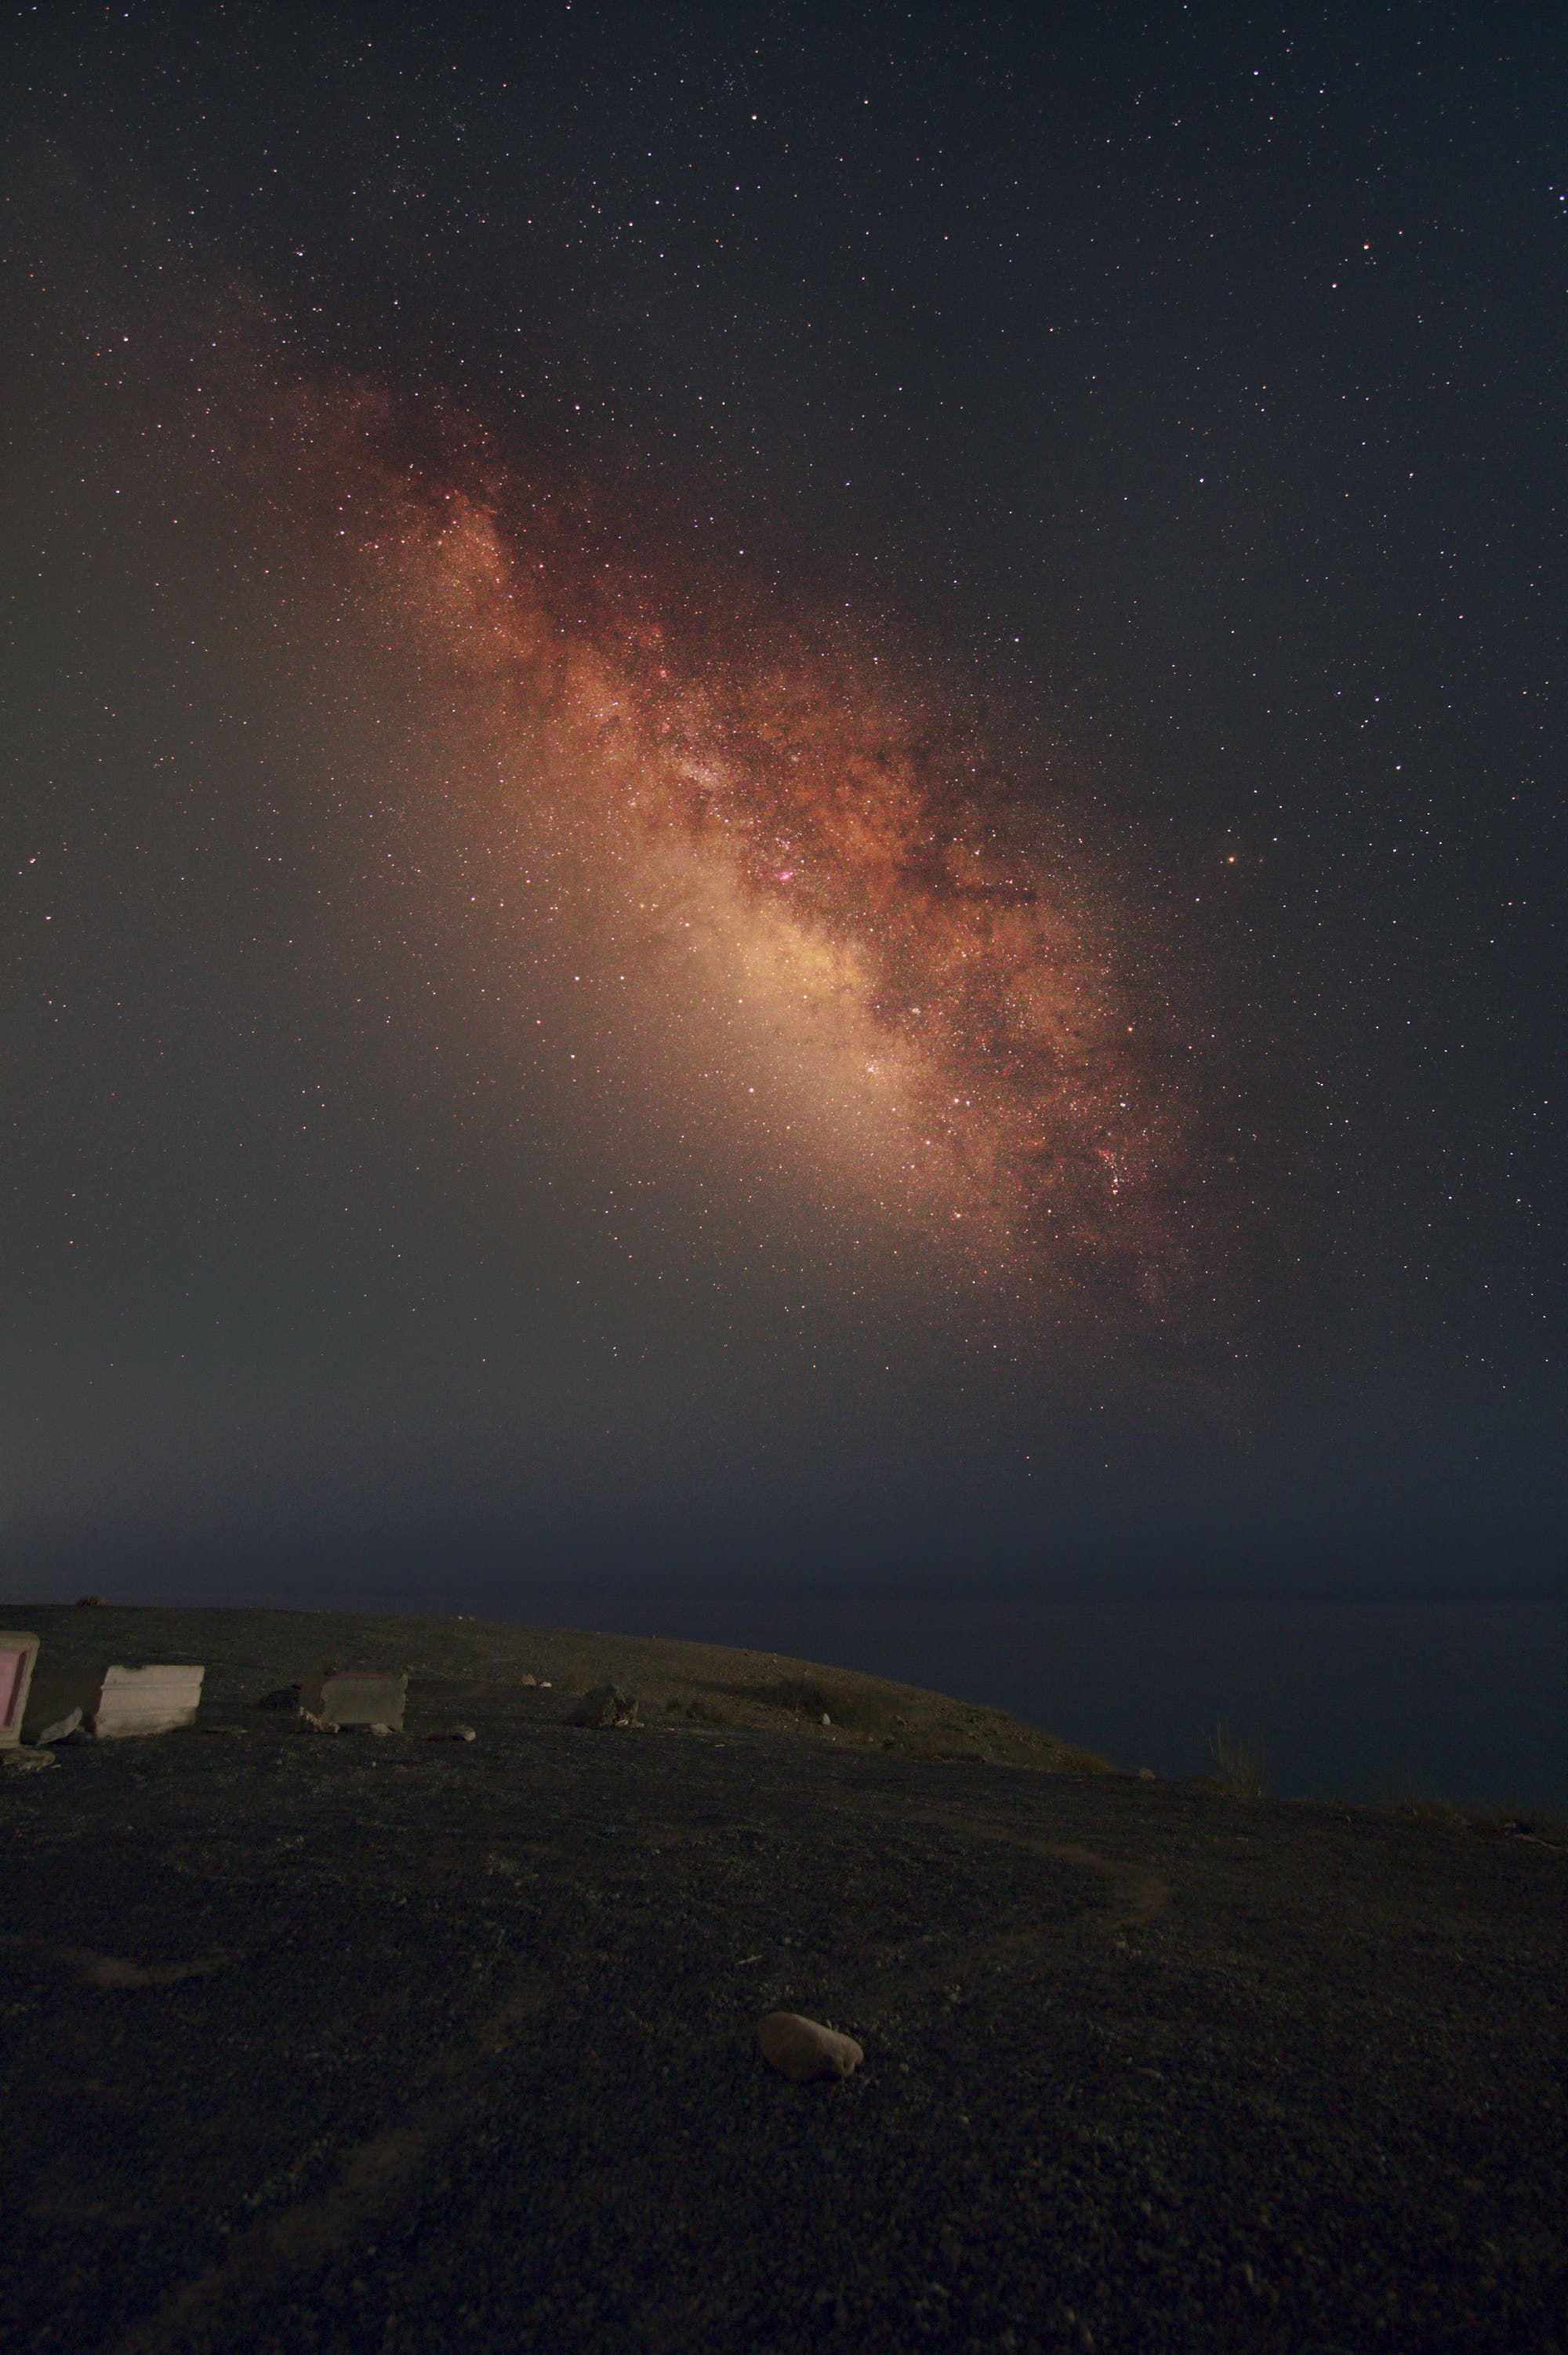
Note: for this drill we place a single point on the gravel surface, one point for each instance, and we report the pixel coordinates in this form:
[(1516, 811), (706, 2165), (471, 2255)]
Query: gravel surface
[(397, 2044)]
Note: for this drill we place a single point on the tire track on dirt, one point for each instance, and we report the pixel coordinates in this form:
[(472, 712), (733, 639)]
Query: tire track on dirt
[(1137, 1896), (374, 2176)]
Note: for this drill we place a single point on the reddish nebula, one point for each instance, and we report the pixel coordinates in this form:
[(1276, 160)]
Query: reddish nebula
[(896, 901)]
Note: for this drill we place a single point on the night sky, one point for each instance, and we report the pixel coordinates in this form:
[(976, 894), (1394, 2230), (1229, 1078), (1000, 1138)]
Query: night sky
[(783, 800)]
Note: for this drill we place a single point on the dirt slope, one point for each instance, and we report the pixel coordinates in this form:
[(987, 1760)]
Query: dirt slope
[(410, 2045), (247, 1653)]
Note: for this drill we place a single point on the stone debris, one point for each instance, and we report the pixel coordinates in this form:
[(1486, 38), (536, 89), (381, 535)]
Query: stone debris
[(802, 2050), (453, 1733), (60, 1730), (605, 1705), (15, 1761), (319, 1724)]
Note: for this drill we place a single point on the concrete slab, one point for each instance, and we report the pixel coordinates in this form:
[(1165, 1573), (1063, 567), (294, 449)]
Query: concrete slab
[(116, 1700), (356, 1697), (19, 1657)]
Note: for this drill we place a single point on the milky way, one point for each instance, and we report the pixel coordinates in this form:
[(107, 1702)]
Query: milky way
[(898, 921)]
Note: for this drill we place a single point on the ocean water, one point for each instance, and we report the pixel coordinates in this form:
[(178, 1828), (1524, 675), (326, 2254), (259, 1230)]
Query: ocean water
[(1457, 1700)]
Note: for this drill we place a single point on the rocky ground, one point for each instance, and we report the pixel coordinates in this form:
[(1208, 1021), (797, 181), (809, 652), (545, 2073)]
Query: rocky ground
[(398, 2044)]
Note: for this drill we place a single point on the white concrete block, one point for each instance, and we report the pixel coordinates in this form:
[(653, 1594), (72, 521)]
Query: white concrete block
[(117, 1700)]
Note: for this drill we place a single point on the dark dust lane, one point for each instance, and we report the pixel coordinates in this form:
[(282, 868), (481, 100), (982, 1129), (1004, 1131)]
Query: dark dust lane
[(415, 2046)]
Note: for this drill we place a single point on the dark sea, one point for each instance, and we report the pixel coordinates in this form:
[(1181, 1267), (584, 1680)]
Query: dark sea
[(1457, 1699)]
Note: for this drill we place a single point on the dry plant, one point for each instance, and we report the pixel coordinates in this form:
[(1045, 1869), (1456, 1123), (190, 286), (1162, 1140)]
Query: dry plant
[(1415, 1802), (1238, 1767)]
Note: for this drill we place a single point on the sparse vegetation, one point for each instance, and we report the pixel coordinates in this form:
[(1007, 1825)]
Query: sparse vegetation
[(1238, 1766), (856, 1710), (1546, 1825), (701, 1712), (456, 1665)]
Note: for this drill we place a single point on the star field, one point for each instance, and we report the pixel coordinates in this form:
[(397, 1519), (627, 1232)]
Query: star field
[(776, 770)]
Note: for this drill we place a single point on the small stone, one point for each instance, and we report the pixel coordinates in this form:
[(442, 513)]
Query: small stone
[(453, 1733), (802, 2050), (60, 1730), (381, 1729), (1146, 1774), (528, 1680), (826, 1719), (605, 1705)]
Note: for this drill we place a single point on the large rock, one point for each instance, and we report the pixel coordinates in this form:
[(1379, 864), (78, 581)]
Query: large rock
[(606, 1705), (802, 2050)]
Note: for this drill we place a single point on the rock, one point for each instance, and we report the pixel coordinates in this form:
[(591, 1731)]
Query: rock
[(60, 1730), (528, 1680), (605, 1705), (27, 1762), (826, 1719), (802, 2050)]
